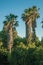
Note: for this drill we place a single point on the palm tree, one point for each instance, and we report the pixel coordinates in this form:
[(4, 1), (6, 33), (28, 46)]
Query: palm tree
[(29, 16), (10, 26), (36, 15), (42, 23)]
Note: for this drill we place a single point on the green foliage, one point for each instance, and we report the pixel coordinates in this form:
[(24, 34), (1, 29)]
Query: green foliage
[(3, 37), (27, 54), (18, 39), (22, 53), (3, 55), (37, 42)]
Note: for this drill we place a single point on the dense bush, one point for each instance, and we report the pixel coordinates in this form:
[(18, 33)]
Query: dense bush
[(22, 53), (27, 55), (3, 55)]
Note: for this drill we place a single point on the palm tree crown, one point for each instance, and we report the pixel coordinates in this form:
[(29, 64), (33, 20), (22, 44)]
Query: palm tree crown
[(30, 13)]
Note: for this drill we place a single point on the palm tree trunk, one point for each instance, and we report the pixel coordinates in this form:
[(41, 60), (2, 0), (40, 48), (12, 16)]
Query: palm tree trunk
[(10, 41), (33, 27), (29, 31), (34, 35)]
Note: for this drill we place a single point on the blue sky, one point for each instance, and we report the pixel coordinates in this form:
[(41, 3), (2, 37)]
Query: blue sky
[(17, 7)]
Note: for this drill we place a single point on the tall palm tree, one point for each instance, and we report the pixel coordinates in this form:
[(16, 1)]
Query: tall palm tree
[(29, 16), (36, 15), (10, 26)]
